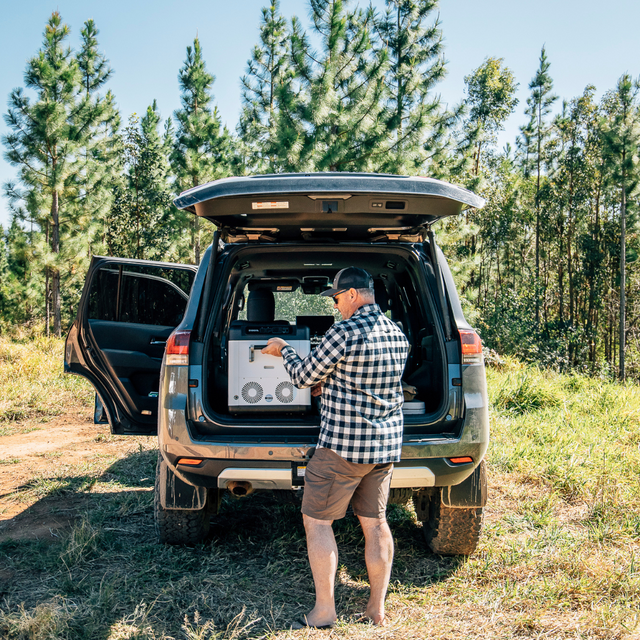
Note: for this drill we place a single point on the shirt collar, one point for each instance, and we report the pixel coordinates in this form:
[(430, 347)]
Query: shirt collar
[(367, 308)]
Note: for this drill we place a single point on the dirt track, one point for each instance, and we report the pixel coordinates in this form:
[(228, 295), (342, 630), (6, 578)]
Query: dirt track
[(42, 451)]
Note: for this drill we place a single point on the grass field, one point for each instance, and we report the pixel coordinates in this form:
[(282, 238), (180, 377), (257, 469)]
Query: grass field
[(559, 556), (32, 382)]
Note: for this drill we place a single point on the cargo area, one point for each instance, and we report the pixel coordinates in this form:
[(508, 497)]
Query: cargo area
[(264, 291)]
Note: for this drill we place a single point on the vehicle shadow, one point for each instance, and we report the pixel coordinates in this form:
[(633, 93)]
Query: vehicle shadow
[(250, 575)]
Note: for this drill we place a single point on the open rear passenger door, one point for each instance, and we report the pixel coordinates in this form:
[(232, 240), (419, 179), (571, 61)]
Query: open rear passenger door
[(127, 311)]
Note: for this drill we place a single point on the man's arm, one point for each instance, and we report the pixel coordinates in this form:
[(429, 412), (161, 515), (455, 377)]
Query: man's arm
[(317, 366)]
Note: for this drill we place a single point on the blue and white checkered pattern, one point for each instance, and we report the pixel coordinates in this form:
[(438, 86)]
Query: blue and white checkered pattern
[(360, 362)]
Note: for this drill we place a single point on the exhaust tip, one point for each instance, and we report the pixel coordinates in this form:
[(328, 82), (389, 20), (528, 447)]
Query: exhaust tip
[(240, 488)]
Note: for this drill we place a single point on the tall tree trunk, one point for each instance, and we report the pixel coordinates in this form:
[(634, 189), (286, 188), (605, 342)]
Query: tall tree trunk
[(623, 300), (537, 285), (561, 274), (55, 272), (477, 167), (195, 230), (47, 288), (196, 239), (47, 303), (592, 315)]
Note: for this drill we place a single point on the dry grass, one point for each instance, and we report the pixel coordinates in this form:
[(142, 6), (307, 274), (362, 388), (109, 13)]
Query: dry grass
[(559, 557), (33, 385)]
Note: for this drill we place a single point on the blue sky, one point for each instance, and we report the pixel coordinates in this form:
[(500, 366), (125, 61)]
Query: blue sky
[(587, 42)]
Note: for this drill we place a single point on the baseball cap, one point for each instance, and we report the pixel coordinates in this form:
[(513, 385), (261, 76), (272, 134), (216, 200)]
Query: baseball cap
[(349, 278)]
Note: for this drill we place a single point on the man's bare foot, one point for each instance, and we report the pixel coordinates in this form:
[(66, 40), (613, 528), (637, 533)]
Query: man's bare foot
[(310, 621), (377, 619)]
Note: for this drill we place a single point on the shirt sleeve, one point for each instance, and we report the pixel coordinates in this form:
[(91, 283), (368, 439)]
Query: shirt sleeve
[(319, 364)]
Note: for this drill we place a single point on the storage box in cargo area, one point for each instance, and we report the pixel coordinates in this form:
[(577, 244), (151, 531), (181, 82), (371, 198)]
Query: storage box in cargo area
[(259, 382)]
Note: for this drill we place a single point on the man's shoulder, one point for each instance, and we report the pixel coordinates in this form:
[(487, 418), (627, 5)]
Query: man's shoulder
[(390, 325)]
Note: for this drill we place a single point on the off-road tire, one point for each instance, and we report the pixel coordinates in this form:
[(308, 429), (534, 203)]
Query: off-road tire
[(399, 496), (178, 526), (450, 531)]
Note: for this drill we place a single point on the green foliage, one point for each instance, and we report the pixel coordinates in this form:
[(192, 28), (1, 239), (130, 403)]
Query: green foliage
[(548, 270), (139, 224), (576, 434), (414, 115), (49, 141), (490, 100), (537, 130), (524, 394), (267, 70), (202, 148), (331, 116)]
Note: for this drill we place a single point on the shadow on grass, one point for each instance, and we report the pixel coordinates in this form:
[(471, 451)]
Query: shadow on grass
[(107, 574)]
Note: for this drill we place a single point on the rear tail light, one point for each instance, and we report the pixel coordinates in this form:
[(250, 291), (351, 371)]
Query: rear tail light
[(471, 347), (178, 348)]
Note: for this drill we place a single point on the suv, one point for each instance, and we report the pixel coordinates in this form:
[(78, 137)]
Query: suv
[(176, 349)]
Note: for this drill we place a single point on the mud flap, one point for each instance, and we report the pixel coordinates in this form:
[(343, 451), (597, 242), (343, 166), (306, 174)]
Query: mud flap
[(470, 493), (177, 494)]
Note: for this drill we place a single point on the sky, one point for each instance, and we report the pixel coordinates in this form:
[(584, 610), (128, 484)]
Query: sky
[(587, 42)]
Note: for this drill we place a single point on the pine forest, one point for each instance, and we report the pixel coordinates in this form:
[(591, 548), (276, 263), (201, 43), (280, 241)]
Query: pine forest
[(548, 270)]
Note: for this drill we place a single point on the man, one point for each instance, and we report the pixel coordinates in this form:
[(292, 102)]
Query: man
[(357, 371)]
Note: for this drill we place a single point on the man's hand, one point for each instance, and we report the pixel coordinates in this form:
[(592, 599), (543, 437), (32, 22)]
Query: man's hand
[(316, 390), (274, 347)]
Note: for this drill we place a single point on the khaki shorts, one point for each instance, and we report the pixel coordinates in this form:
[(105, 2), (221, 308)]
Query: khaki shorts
[(330, 482)]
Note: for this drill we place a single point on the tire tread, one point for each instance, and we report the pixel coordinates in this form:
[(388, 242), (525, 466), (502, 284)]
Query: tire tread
[(175, 526), (450, 531)]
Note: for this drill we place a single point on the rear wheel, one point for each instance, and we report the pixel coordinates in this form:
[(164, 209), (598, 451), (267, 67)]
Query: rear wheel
[(449, 531), (179, 526)]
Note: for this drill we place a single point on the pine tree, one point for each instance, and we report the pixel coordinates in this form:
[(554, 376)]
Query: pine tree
[(202, 149), (622, 141), (20, 284), (331, 118), (94, 66), (267, 69), (536, 134), (139, 225), (45, 140), (491, 90), (8, 287), (416, 64), (570, 185), (98, 157)]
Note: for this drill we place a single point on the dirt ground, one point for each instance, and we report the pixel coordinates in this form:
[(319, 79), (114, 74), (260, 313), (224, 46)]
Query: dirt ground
[(37, 451)]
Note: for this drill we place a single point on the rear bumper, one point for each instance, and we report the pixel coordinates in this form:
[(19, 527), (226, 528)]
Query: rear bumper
[(282, 478), (424, 461), (219, 473)]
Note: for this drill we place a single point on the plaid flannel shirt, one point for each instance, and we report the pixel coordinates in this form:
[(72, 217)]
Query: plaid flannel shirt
[(360, 362)]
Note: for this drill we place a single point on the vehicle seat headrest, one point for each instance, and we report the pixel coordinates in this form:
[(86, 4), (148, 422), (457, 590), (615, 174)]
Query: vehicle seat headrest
[(261, 306), (382, 297)]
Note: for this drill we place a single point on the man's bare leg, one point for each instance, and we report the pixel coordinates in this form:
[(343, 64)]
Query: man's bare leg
[(378, 555), (323, 558)]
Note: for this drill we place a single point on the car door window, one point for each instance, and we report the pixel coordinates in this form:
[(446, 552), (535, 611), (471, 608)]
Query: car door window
[(150, 295)]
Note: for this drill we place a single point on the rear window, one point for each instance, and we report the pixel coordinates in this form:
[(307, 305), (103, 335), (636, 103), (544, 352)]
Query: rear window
[(292, 304), (140, 294)]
